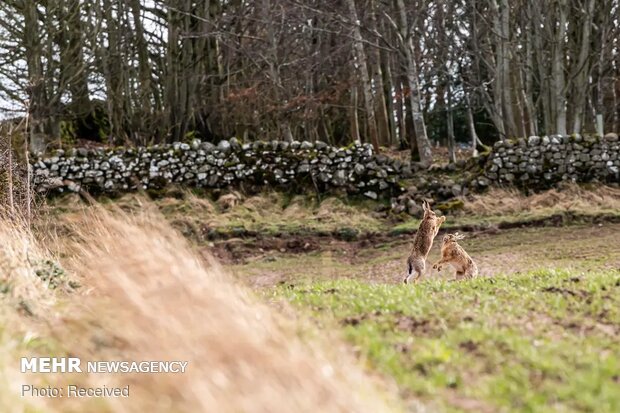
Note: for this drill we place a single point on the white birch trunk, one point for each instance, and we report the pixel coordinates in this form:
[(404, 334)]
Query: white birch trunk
[(422, 142)]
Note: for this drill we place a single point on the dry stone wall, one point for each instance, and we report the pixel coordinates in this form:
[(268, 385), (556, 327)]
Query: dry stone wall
[(543, 161), (297, 165), (533, 163)]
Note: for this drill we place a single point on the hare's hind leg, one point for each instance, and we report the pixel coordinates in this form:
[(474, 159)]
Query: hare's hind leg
[(469, 272), (415, 267), (409, 272), (459, 276), (416, 278)]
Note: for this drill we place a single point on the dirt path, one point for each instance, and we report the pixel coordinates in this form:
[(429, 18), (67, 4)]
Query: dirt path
[(578, 248)]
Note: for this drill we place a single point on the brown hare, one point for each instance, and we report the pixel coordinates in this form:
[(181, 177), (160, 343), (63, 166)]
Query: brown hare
[(422, 243), (452, 253)]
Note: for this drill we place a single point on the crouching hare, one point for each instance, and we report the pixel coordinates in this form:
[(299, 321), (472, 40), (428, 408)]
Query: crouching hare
[(452, 253), (422, 243)]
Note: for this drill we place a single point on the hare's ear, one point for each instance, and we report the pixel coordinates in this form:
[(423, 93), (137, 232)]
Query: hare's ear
[(425, 205)]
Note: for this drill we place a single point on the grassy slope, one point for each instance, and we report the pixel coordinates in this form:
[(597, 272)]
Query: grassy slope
[(276, 214), (540, 341)]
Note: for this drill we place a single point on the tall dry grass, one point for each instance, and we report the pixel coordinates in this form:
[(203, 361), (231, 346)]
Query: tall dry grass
[(146, 296), (570, 197), (27, 305)]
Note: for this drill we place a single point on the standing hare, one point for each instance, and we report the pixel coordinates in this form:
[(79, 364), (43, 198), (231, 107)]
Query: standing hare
[(422, 243), (452, 253)]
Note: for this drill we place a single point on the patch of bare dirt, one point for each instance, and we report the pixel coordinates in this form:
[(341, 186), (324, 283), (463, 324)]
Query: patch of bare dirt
[(414, 325), (357, 319), (239, 250), (353, 320), (409, 324), (469, 346), (565, 292), (381, 258)]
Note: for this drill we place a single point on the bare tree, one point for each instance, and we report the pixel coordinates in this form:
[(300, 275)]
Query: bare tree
[(361, 63), (406, 40)]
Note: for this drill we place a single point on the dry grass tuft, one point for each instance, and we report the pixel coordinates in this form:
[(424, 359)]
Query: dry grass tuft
[(146, 296), (190, 201), (21, 255), (571, 197), (161, 302), (27, 306)]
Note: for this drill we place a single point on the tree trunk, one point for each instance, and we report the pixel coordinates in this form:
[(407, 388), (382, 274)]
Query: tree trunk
[(174, 108), (582, 72), (503, 62), (362, 64), (148, 93), (492, 105), (189, 72), (557, 70), (353, 119), (73, 75), (527, 76), (401, 113), (388, 90), (37, 100), (471, 126), (383, 125), (616, 92), (28, 171), (112, 66), (423, 144), (450, 127)]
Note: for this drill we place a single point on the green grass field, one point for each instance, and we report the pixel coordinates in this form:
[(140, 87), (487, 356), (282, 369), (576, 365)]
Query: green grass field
[(537, 342)]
